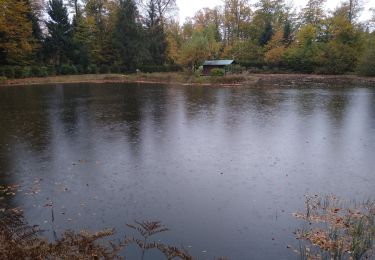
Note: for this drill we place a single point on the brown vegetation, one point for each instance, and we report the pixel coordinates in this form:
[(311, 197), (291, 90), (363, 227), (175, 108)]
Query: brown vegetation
[(335, 229), (244, 79), (21, 241)]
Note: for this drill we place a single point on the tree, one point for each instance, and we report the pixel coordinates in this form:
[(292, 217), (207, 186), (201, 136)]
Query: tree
[(313, 13), (366, 65), (76, 6), (345, 43), (201, 46), (246, 52), (174, 41), (35, 12), (270, 15), (59, 41), (275, 49), (17, 43), (237, 17), (163, 8), (354, 8), (128, 40), (288, 32), (156, 38), (101, 17), (209, 17), (304, 54), (82, 41)]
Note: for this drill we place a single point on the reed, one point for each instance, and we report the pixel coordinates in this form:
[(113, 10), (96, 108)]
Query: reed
[(336, 229)]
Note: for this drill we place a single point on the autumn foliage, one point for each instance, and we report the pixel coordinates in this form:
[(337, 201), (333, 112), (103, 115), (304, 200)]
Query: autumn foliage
[(335, 229), (100, 36)]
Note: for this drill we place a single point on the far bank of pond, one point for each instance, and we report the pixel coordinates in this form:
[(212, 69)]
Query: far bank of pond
[(232, 80)]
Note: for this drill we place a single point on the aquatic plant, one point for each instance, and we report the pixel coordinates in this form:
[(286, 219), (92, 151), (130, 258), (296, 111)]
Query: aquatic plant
[(147, 229), (18, 240), (335, 229)]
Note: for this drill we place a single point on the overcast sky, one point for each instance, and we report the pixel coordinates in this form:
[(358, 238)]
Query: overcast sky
[(187, 8)]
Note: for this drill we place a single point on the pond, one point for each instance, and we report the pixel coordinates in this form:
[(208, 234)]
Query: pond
[(223, 168)]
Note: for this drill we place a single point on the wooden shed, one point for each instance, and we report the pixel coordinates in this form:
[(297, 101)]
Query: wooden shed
[(209, 65)]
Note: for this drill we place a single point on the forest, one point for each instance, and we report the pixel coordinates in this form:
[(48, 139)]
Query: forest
[(56, 37)]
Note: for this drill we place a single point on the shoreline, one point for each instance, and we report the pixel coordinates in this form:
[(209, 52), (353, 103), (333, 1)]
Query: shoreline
[(240, 80)]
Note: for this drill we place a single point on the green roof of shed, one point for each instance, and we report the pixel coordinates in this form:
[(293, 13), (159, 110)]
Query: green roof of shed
[(218, 62)]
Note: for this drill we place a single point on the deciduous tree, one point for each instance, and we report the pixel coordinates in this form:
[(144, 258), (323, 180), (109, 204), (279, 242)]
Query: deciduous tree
[(17, 42)]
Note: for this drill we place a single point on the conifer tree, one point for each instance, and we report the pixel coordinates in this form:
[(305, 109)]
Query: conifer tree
[(156, 38), (127, 37), (59, 40)]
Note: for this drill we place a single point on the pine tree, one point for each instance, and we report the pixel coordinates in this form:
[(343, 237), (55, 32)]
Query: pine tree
[(156, 38), (59, 41), (128, 37)]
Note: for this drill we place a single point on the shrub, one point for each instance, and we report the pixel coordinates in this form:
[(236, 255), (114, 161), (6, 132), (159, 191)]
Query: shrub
[(124, 69), (104, 69), (366, 66), (237, 69), (115, 69), (229, 79), (151, 68), (52, 71), (2, 79), (2, 72), (337, 59), (92, 69), (74, 70), (254, 64), (80, 69), (64, 69), (43, 72), (18, 72), (9, 72), (217, 72), (174, 68), (199, 71), (35, 71), (26, 72), (67, 69)]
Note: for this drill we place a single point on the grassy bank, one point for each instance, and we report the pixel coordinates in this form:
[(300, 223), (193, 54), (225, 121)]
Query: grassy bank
[(244, 79)]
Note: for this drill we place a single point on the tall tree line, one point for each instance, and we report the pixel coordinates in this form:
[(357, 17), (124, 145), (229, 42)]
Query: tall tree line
[(84, 36), (272, 35), (91, 36)]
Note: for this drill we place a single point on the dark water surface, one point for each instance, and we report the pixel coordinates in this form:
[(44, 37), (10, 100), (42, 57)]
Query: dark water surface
[(223, 168)]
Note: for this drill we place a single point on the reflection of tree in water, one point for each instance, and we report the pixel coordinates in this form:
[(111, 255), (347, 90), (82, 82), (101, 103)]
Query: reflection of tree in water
[(336, 107), (267, 101), (307, 102), (7, 180), (74, 101), (131, 114), (199, 100), (157, 107), (267, 105), (119, 108), (335, 103), (23, 121), (371, 109), (24, 117)]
